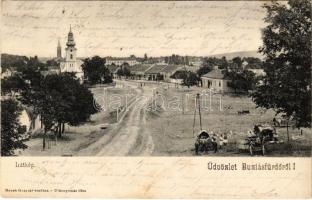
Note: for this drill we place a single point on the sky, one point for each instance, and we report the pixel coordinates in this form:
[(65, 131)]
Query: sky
[(124, 28)]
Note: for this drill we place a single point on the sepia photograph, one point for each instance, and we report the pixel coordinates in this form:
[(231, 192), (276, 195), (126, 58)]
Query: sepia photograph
[(156, 99), (104, 78)]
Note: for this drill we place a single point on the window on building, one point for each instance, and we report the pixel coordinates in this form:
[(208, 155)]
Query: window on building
[(219, 83), (71, 56)]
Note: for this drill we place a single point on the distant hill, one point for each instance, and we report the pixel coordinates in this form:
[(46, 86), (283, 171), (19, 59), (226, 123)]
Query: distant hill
[(240, 54)]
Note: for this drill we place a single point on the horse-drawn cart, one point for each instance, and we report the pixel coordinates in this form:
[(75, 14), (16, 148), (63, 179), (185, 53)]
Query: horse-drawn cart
[(205, 143), (260, 140)]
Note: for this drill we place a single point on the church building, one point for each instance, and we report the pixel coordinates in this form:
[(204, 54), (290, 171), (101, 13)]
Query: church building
[(71, 63)]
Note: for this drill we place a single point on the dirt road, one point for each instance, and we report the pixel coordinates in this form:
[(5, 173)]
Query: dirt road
[(128, 137)]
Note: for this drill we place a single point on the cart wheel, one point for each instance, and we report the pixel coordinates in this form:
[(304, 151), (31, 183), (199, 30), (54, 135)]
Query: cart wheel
[(263, 150), (251, 150)]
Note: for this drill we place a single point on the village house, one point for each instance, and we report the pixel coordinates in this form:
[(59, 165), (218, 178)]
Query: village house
[(138, 71), (216, 81), (168, 71), (153, 73)]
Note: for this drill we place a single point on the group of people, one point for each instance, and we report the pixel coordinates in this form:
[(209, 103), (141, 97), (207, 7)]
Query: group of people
[(220, 139)]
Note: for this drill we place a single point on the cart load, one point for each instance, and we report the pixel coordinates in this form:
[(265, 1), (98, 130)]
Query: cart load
[(259, 139)]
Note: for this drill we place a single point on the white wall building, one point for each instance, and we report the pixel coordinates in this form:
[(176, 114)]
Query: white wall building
[(71, 64), (216, 81)]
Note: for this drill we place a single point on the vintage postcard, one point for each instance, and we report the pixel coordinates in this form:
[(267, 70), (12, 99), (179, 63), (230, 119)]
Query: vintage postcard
[(156, 99)]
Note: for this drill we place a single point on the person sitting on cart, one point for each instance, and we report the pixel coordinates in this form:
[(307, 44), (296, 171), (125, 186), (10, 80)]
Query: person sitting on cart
[(203, 134), (257, 130), (214, 141), (223, 140), (251, 133)]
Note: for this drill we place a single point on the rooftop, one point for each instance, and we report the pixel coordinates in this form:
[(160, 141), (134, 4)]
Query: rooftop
[(170, 68), (215, 74), (140, 67), (155, 69)]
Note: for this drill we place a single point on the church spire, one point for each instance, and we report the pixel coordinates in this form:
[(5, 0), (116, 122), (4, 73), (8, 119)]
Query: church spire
[(70, 40), (58, 43), (59, 49)]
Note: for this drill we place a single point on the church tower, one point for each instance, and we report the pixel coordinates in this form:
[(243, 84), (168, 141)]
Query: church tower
[(59, 50), (71, 63), (70, 50)]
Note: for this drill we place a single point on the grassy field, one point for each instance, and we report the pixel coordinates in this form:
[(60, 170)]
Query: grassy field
[(109, 99), (172, 123)]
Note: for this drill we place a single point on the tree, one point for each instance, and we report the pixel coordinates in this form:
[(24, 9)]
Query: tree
[(60, 99), (253, 62), (241, 81), (26, 81), (95, 71), (203, 70), (119, 72), (11, 130), (69, 101), (52, 62), (286, 46), (13, 61), (190, 79), (12, 85), (210, 62), (31, 73), (124, 70), (145, 57), (82, 103), (35, 63), (224, 63), (237, 61), (186, 60)]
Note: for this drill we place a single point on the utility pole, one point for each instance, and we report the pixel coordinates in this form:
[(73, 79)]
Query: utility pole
[(210, 100), (182, 99), (220, 103), (194, 116), (198, 102)]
